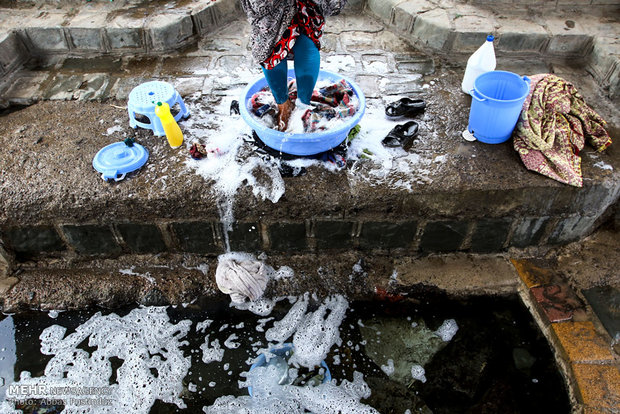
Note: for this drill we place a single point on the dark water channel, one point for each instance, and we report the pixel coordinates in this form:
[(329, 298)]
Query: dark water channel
[(497, 361)]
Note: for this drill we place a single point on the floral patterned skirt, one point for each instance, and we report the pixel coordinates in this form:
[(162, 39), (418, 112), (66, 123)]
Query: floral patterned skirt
[(307, 21)]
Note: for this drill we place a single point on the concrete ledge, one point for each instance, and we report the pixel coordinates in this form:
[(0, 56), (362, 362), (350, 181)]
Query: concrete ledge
[(13, 52), (451, 28), (494, 205), (183, 278), (457, 30)]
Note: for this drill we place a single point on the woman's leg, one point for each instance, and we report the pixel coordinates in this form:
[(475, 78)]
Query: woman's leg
[(307, 64), (277, 79)]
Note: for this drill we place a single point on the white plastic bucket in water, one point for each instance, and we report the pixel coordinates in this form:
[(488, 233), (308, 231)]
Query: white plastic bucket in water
[(497, 99)]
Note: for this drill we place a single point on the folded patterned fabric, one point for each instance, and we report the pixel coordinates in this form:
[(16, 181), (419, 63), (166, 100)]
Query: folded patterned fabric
[(554, 125)]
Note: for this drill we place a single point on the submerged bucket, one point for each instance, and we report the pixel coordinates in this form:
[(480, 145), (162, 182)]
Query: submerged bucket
[(497, 99)]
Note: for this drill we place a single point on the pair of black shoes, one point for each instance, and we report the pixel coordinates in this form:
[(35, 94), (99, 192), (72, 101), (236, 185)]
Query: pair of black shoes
[(403, 135)]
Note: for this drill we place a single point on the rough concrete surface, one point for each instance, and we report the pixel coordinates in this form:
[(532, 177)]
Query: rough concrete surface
[(47, 176), (594, 261)]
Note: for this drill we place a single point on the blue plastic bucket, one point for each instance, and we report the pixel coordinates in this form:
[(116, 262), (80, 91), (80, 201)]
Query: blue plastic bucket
[(301, 144), (285, 350), (497, 99)]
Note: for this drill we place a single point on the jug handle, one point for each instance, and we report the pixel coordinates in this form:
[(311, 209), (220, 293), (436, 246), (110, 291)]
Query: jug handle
[(527, 80), (474, 95)]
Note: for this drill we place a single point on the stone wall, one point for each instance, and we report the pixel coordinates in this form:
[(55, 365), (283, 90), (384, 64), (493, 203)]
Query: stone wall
[(475, 221)]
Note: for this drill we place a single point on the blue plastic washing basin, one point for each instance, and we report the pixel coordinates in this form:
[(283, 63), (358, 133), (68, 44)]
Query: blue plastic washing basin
[(301, 144), (282, 350)]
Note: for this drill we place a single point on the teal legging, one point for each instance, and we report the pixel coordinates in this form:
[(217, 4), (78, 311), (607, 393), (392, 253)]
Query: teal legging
[(307, 63)]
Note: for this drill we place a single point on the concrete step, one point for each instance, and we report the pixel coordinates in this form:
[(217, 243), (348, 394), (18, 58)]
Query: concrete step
[(444, 195), (564, 30)]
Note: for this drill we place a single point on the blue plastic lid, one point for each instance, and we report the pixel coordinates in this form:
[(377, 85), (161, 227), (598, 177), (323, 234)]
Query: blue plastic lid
[(490, 38), (116, 160)]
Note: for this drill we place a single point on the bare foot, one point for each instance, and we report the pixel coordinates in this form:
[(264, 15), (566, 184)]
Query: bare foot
[(284, 114)]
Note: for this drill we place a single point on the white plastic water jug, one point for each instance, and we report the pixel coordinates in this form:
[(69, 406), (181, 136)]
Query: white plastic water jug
[(481, 61)]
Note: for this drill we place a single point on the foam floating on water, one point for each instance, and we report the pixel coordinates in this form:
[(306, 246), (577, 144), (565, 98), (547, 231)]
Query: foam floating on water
[(153, 365)]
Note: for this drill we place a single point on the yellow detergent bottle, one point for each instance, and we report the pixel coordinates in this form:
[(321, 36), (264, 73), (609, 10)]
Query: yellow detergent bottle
[(171, 128)]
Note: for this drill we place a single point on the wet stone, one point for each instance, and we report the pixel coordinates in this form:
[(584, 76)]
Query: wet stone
[(433, 28), (358, 41), (330, 44), (406, 63), (47, 38), (86, 39), (529, 231), (535, 272), (142, 238), (64, 87), (92, 239), (581, 343), (490, 235), (27, 241), (154, 297), (80, 87), (443, 236), (402, 85), (562, 45), (167, 31), (598, 386), (379, 64), (12, 51), (121, 87), (245, 237), (387, 235), (369, 84), (230, 63), (93, 87), (186, 85), (220, 45), (605, 301), (288, 236), (103, 64), (522, 41), (27, 89), (405, 342), (571, 229), (195, 237), (140, 66), (333, 234), (181, 66), (124, 38)]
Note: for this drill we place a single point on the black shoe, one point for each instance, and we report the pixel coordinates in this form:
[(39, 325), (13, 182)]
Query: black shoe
[(234, 107), (402, 135), (405, 107)]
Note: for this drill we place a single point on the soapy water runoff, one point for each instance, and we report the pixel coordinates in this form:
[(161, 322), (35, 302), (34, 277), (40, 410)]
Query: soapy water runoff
[(428, 355), (232, 161)]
